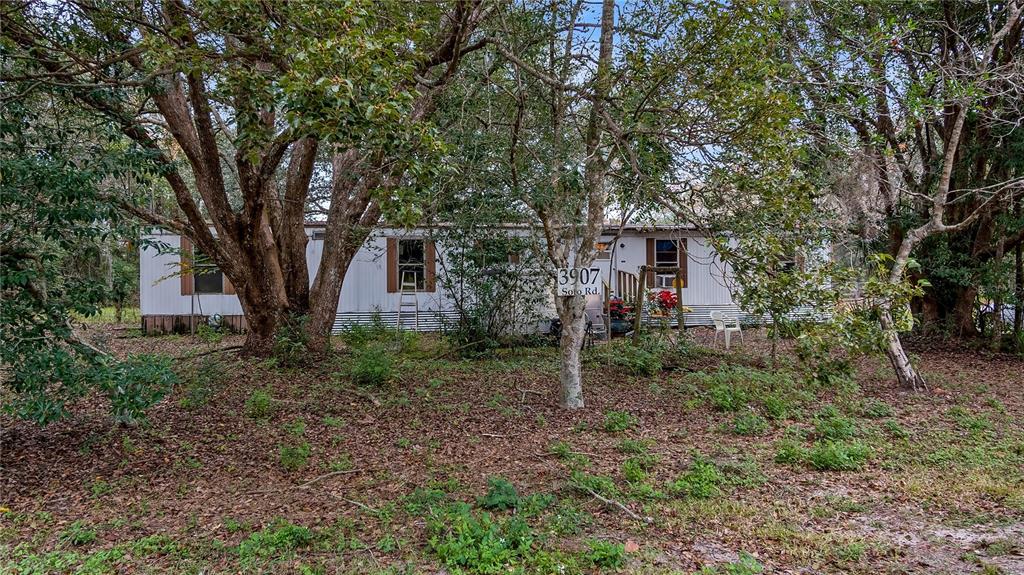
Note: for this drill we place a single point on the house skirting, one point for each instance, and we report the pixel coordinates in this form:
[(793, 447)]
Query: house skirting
[(163, 324)]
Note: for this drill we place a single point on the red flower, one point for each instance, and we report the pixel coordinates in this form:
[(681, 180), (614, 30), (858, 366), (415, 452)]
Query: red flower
[(664, 299)]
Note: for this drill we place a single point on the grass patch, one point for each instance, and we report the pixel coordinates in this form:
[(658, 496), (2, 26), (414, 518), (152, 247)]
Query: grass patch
[(831, 425), (280, 540), (702, 481), (838, 456), (749, 423)]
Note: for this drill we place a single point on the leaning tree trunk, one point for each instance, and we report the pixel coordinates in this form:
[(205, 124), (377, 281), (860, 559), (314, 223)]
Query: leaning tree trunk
[(572, 314), (905, 372)]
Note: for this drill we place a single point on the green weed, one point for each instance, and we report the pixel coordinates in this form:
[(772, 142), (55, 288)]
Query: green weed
[(702, 481), (372, 365), (259, 405), (78, 533), (605, 554), (830, 425), (876, 409), (277, 540), (501, 495), (616, 421), (465, 541), (749, 423), (838, 456)]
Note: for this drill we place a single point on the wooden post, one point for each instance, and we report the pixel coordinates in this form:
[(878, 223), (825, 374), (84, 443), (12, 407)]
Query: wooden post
[(608, 310), (679, 303), (638, 307)]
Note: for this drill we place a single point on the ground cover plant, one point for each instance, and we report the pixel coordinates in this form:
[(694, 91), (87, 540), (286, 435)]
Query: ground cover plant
[(725, 467)]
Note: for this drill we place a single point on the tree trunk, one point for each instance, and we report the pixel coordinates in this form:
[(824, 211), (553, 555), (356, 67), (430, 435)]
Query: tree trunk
[(572, 314), (963, 312), (997, 301), (905, 372), (261, 324), (262, 295), (324, 299), (1018, 281)]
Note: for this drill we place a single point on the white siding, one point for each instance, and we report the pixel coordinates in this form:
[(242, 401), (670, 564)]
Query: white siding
[(160, 290), (365, 287)]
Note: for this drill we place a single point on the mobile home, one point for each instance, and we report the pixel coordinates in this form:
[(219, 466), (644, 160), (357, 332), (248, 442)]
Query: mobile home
[(399, 268)]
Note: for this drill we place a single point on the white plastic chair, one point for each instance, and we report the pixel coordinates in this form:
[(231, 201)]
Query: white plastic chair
[(722, 322)]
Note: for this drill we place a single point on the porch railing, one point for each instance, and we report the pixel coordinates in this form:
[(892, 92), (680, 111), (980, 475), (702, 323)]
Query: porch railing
[(626, 285)]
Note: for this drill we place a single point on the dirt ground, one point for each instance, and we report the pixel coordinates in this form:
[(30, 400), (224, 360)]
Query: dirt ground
[(206, 484)]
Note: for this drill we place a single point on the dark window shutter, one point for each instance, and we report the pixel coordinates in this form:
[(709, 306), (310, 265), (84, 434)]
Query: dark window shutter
[(186, 266), (650, 261), (391, 262), (682, 262), (430, 255)]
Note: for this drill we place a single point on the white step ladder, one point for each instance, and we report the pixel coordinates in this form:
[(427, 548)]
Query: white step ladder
[(408, 303)]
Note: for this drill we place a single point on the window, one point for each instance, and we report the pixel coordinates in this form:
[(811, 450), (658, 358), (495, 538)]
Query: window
[(207, 278), (319, 235), (666, 255), (604, 250), (412, 264)]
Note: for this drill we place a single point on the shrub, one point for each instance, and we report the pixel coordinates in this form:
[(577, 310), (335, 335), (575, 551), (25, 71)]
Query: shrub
[(829, 424), (208, 333), (135, 384), (294, 455), (276, 539), (259, 405), (501, 495), (616, 421), (605, 554), (838, 456), (477, 543), (290, 341), (702, 481), (372, 365), (749, 423)]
